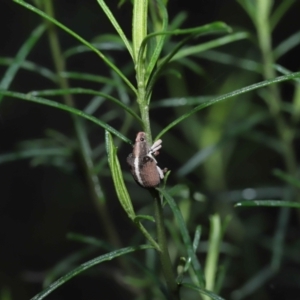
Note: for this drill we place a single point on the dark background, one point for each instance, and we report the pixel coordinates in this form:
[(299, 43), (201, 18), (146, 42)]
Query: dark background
[(40, 205)]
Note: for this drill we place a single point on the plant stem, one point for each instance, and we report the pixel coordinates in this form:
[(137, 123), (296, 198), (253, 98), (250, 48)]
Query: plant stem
[(284, 130), (139, 32), (213, 252), (139, 25), (274, 103), (164, 253)]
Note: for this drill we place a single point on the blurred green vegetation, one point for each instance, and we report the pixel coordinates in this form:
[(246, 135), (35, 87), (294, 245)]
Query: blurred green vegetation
[(234, 164)]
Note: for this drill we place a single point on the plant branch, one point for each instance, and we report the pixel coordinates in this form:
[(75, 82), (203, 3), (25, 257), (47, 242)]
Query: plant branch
[(274, 102), (164, 253)]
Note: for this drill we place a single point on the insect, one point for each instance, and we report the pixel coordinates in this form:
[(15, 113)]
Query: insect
[(142, 162)]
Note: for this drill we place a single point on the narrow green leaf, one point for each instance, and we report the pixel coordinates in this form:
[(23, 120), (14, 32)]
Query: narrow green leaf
[(240, 129), (185, 235), (281, 229), (159, 44), (109, 41), (72, 110), (182, 101), (89, 240), (197, 159), (121, 189), (281, 69), (232, 60), (213, 28), (138, 218), (155, 75), (56, 92), (195, 246), (109, 46), (222, 275), (268, 203), (98, 260), (36, 152), (118, 28), (178, 20), (94, 104), (256, 282), (249, 7), (189, 64), (286, 45), (117, 177), (294, 108), (279, 12), (292, 180), (211, 263), (88, 77), (193, 50), (67, 264), (32, 67), (148, 236), (20, 57), (197, 236), (264, 139), (79, 38), (202, 291), (227, 96)]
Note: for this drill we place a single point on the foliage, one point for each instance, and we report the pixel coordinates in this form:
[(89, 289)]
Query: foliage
[(210, 141)]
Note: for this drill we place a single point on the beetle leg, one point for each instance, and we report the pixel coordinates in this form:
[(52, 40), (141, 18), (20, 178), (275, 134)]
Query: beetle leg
[(155, 147), (160, 172)]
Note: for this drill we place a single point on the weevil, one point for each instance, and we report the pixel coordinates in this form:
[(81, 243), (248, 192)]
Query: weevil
[(142, 162)]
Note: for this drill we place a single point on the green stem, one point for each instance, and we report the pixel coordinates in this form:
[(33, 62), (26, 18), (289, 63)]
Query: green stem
[(274, 103), (164, 253), (213, 252), (284, 130), (139, 32), (139, 25)]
